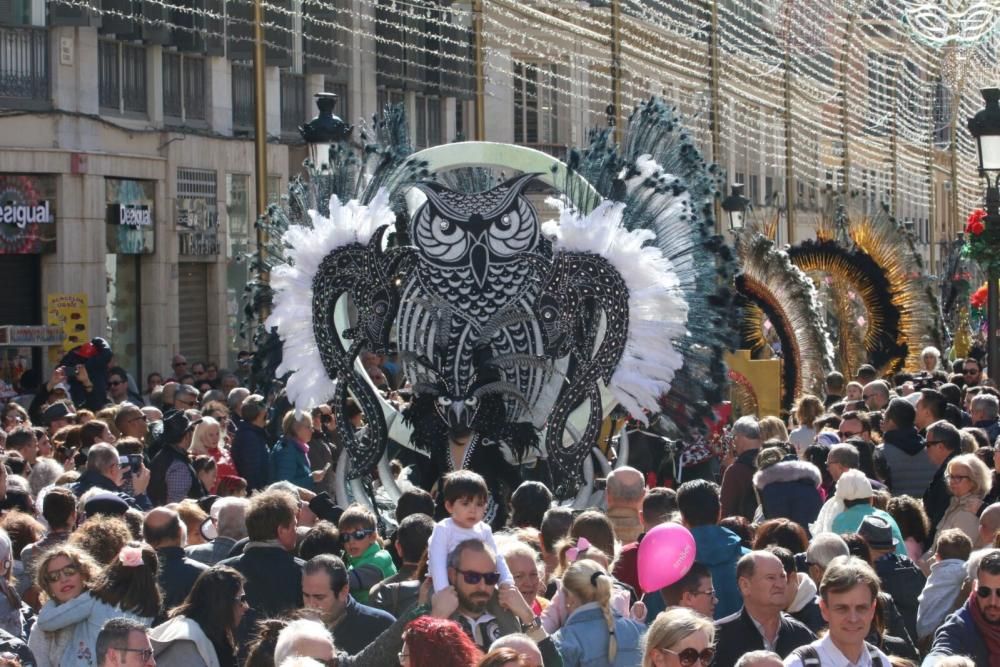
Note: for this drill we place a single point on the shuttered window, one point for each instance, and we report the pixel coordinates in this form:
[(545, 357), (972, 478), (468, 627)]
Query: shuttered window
[(193, 307)]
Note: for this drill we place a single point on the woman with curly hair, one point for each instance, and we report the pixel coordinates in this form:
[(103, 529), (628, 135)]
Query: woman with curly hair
[(437, 642), (782, 533), (102, 537), (63, 572), (201, 630), (127, 587)]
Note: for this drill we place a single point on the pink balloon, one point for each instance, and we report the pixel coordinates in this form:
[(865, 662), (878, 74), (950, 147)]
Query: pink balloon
[(666, 553)]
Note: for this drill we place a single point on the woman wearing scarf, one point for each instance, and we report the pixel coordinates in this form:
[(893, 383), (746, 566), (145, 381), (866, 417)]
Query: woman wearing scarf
[(289, 458)]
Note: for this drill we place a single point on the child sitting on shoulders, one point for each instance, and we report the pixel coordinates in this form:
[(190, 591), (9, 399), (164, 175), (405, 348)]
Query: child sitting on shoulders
[(368, 563), (465, 495)]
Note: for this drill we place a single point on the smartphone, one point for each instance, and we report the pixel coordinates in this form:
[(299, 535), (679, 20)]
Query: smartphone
[(135, 463)]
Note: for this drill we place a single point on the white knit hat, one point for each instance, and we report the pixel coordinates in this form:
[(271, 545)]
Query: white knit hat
[(853, 485)]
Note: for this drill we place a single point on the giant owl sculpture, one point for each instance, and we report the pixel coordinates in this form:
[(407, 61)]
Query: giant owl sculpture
[(518, 332)]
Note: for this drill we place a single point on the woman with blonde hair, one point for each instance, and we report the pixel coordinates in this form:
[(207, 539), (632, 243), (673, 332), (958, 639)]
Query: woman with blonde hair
[(679, 637), (807, 409), (209, 440), (969, 480), (772, 428), (594, 633), (289, 458), (63, 573)]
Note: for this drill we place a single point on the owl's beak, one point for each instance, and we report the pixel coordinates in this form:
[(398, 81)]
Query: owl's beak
[(479, 263)]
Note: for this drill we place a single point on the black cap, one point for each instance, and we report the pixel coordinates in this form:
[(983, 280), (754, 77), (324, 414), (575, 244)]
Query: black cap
[(105, 504), (55, 412), (176, 426)]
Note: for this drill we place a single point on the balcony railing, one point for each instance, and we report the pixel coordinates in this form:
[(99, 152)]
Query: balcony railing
[(24, 66)]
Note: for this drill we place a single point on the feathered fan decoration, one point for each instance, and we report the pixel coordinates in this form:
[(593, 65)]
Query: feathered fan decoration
[(774, 287)]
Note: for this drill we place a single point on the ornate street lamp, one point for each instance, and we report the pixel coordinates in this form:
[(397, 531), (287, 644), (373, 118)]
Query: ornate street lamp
[(985, 127), (325, 130), (736, 207)]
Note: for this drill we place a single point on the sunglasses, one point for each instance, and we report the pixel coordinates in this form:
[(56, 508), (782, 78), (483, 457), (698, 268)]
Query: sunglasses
[(355, 535), (114, 383), (690, 656), (241, 598), (985, 592), (144, 653), (472, 577), (55, 575)]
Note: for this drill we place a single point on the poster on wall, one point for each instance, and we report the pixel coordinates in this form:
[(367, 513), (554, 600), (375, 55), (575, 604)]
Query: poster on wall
[(130, 218), (69, 312), (27, 214)]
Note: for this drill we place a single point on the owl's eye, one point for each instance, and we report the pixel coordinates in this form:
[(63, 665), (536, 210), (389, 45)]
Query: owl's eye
[(444, 401), (380, 308), (472, 401)]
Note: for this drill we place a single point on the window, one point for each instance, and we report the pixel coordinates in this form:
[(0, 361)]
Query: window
[(293, 101), (183, 87), (428, 122), (387, 96), (242, 97), (121, 77), (536, 101)]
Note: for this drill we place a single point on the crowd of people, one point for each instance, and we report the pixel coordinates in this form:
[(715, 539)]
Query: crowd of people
[(194, 524)]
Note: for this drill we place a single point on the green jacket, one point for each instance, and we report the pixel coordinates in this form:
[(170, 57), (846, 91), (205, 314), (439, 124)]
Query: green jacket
[(374, 565)]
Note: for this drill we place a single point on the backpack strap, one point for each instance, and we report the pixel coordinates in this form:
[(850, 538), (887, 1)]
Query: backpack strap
[(808, 656), (873, 652)]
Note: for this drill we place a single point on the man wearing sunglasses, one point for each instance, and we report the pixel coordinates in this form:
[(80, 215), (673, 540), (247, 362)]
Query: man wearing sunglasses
[(973, 630), (972, 372), (123, 642), (484, 612), (848, 595)]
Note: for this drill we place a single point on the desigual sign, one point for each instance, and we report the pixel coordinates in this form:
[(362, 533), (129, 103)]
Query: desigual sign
[(134, 215), (22, 215)]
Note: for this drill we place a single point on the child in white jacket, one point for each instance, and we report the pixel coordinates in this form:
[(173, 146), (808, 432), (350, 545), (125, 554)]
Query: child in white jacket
[(465, 494)]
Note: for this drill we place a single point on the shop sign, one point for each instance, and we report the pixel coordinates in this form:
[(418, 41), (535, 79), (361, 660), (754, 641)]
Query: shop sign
[(130, 218), (34, 336), (68, 312), (27, 214)]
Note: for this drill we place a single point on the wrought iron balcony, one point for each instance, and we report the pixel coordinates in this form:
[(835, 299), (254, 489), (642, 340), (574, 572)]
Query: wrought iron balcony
[(24, 67)]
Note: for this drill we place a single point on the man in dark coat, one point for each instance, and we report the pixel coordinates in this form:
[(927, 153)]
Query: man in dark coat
[(944, 442), (760, 624), (162, 530), (172, 478), (104, 471), (273, 574), (737, 494), (900, 577), (250, 443), (973, 630)]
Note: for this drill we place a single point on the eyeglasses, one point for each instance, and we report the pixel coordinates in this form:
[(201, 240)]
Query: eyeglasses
[(472, 577), (242, 599), (844, 435), (355, 535), (956, 478), (710, 593), (403, 657), (985, 592), (690, 656), (114, 383), (55, 575), (144, 653)]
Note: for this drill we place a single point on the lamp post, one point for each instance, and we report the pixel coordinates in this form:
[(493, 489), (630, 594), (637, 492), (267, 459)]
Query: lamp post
[(985, 127), (324, 130), (736, 207)]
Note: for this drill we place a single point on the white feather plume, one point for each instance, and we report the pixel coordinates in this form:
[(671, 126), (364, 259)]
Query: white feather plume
[(657, 309), (309, 385)]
